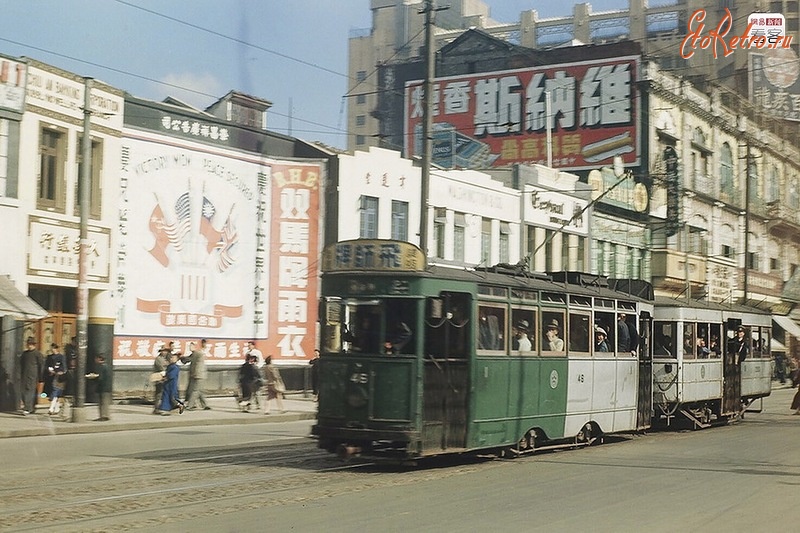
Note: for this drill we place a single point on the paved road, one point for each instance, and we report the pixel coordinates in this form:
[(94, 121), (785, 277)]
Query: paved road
[(262, 476)]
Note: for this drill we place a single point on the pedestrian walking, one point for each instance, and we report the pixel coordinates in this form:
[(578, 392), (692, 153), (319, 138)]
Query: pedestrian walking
[(315, 374), (160, 364), (275, 385), (197, 377), (249, 382), (169, 396), (31, 365), (103, 387), (54, 362), (57, 385)]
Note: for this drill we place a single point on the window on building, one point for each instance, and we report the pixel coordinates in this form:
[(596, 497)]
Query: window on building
[(361, 99), (486, 241), (505, 230), (399, 220), (459, 237), (774, 263), (439, 225), (361, 75), (548, 250), (369, 218), (773, 185), (360, 140), (726, 169), (728, 251), (752, 260), (361, 120), (52, 156), (9, 131), (794, 193), (752, 176), (94, 180), (581, 251)]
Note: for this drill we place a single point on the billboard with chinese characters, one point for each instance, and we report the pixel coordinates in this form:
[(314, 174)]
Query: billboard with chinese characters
[(775, 82), (215, 244), (499, 118)]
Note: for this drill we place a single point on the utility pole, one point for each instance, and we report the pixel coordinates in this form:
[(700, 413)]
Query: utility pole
[(427, 125), (746, 222), (85, 180)]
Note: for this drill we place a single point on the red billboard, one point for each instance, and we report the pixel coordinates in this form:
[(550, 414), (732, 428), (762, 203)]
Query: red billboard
[(500, 118)]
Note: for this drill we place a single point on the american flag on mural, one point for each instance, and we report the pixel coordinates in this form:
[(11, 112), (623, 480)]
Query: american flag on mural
[(174, 233)]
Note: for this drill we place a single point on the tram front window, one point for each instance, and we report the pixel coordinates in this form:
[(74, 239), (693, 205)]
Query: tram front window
[(370, 327)]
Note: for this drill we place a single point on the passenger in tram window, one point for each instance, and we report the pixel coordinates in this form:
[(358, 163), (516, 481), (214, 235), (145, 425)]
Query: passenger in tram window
[(702, 350), (554, 342), (627, 336), (713, 346), (489, 332), (521, 340), (399, 339), (623, 335), (664, 346), (600, 344)]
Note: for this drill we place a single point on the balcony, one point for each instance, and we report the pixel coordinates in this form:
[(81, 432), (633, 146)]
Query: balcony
[(783, 219), (670, 269)]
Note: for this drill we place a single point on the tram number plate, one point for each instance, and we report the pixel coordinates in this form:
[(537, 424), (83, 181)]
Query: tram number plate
[(399, 287), (359, 377), (581, 378)]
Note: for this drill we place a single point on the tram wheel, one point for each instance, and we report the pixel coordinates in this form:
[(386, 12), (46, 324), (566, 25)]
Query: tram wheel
[(585, 434)]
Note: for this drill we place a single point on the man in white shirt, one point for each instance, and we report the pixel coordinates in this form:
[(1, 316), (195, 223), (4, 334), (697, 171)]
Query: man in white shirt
[(255, 352)]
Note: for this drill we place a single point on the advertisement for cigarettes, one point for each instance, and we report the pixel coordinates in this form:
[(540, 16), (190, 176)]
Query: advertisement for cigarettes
[(500, 118)]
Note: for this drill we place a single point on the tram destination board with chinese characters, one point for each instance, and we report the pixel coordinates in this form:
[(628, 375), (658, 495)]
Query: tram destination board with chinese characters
[(377, 255)]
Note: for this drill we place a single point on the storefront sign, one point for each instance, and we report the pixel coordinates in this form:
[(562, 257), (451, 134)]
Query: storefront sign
[(55, 247)]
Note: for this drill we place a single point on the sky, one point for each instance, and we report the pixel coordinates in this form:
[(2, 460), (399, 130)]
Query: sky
[(292, 53)]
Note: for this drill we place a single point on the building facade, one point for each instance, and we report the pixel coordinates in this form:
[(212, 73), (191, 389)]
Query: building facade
[(397, 35)]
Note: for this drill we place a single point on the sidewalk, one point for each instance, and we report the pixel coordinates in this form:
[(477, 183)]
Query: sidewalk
[(130, 416)]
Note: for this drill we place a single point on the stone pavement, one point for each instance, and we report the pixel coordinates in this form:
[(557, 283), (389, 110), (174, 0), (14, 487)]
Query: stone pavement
[(137, 415)]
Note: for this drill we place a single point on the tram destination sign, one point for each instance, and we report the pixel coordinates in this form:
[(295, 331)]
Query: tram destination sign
[(373, 255)]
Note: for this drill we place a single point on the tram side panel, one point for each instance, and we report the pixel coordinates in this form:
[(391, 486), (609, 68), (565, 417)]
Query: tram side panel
[(702, 380), (626, 394), (756, 378), (513, 395)]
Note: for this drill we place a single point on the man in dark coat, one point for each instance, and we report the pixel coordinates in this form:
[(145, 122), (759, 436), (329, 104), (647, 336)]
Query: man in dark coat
[(31, 365), (104, 387)]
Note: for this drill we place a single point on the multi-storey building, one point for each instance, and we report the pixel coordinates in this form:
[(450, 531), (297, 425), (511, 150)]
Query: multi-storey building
[(397, 35)]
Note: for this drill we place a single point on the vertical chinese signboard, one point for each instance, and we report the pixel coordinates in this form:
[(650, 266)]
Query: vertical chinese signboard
[(673, 191), (294, 260), (500, 118)]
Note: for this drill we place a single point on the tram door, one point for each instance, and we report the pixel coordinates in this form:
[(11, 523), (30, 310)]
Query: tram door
[(644, 402), (731, 377), (446, 375)]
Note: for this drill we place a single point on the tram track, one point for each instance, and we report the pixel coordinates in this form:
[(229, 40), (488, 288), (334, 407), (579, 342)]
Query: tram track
[(179, 491)]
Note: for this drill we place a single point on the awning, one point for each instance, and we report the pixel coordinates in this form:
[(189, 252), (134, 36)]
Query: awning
[(14, 303), (775, 346), (788, 324)]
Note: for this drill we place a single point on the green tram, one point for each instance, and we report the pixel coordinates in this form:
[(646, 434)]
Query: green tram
[(419, 361)]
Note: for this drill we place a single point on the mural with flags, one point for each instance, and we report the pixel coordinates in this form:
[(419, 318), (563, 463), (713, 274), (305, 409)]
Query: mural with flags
[(201, 232)]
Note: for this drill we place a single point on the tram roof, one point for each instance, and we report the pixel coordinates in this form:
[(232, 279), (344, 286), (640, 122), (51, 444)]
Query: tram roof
[(681, 309), (566, 282)]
